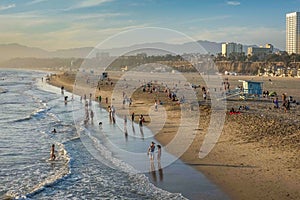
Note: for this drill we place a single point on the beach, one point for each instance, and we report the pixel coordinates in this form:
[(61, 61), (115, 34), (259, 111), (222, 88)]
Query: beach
[(257, 154)]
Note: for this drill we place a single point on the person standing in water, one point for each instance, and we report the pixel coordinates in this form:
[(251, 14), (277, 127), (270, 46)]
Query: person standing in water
[(52, 152), (158, 152), (132, 117), (151, 151), (109, 113), (141, 120), (92, 115), (113, 114)]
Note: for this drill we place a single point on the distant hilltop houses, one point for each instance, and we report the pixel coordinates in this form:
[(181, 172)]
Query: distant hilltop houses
[(279, 70)]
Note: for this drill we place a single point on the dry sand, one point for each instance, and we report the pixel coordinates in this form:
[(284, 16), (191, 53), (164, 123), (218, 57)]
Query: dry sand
[(257, 155)]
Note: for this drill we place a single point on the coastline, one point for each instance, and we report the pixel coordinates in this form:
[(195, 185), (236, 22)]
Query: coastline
[(256, 167)]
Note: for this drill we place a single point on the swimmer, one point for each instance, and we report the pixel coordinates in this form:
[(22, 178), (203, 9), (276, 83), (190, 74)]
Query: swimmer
[(54, 131)]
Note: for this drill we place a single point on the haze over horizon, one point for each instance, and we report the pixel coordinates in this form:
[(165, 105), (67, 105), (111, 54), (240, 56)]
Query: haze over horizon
[(55, 24)]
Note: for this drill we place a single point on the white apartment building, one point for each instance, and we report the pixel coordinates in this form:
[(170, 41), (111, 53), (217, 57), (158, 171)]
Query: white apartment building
[(293, 33), (228, 48)]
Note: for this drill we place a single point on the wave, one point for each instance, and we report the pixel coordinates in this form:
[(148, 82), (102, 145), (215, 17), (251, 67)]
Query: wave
[(38, 114)]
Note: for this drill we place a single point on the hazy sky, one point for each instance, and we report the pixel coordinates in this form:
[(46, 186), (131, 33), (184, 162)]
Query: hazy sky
[(59, 24)]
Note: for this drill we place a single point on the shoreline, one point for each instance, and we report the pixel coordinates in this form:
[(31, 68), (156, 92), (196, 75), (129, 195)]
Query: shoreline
[(250, 161)]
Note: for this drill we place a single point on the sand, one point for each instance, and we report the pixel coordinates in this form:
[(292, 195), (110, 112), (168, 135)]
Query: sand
[(257, 155)]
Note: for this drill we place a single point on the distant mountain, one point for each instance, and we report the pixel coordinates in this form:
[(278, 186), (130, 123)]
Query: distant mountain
[(9, 51), (71, 53), (165, 48)]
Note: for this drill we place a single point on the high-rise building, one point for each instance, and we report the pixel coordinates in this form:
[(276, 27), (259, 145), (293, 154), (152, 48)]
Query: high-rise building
[(229, 48), (293, 33)]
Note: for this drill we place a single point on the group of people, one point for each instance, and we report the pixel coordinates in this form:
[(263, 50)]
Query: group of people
[(285, 102)]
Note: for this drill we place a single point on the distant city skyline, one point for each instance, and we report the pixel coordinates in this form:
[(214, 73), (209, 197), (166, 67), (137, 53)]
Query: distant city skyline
[(60, 24)]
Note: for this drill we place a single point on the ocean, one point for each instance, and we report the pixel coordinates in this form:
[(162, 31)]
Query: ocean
[(92, 161)]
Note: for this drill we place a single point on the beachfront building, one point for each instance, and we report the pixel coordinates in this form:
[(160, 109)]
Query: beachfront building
[(230, 48), (293, 32), (261, 51)]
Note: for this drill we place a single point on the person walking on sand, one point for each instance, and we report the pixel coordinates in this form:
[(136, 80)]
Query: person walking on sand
[(155, 106), (151, 150), (52, 152)]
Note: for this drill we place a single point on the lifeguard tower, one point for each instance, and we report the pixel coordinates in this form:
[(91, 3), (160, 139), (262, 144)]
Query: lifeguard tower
[(251, 89)]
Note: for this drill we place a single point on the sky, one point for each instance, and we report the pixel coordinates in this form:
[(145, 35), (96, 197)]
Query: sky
[(63, 24)]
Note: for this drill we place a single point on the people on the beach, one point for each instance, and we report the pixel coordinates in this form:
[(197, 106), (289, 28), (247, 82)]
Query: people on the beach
[(132, 117), (109, 113), (155, 106), (158, 152), (276, 103), (151, 150), (113, 114), (125, 120), (141, 120), (66, 99), (52, 152), (283, 98), (92, 115)]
